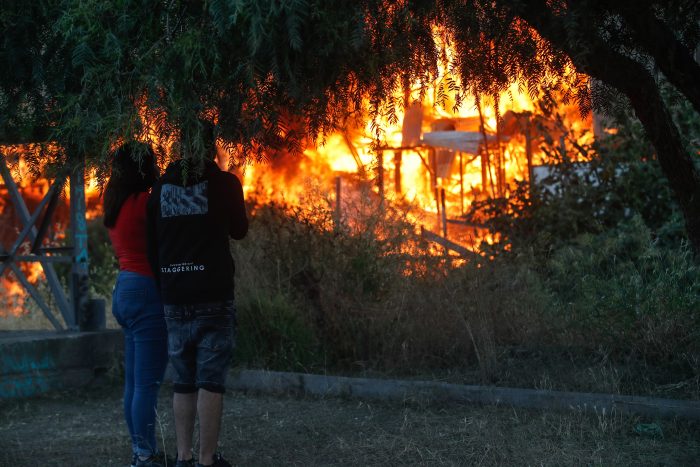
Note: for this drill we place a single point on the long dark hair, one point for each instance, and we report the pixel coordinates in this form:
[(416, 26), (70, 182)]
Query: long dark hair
[(134, 170)]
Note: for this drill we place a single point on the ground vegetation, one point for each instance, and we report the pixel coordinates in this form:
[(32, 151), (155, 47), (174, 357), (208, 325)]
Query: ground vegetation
[(286, 430)]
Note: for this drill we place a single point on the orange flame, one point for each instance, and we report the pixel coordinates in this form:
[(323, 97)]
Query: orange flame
[(427, 167)]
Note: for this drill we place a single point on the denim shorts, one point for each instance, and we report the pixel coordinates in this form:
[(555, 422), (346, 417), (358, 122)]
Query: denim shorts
[(201, 339)]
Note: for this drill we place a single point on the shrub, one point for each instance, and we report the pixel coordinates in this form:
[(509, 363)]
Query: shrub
[(103, 264), (606, 239), (372, 294), (272, 334), (625, 291)]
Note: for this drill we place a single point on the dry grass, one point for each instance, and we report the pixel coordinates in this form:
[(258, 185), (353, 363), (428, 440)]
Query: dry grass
[(369, 291), (366, 297), (88, 430)]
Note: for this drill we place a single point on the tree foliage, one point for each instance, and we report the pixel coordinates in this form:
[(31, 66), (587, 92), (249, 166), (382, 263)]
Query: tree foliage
[(273, 72), (278, 72)]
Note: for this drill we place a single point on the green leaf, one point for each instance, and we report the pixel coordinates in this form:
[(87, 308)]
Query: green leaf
[(82, 55)]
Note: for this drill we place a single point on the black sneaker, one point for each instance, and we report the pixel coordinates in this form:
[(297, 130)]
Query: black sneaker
[(219, 461), (156, 460), (187, 463)]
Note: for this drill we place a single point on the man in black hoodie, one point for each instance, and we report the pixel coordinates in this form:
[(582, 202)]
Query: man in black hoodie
[(192, 213)]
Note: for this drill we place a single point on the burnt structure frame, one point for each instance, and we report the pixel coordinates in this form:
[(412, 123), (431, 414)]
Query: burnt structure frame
[(73, 305)]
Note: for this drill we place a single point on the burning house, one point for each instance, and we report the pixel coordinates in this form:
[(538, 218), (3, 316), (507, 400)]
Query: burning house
[(437, 160)]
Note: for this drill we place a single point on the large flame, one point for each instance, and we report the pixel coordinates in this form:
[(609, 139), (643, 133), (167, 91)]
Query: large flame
[(414, 161), (410, 158)]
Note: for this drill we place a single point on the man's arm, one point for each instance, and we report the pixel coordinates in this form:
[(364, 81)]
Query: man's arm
[(239, 219)]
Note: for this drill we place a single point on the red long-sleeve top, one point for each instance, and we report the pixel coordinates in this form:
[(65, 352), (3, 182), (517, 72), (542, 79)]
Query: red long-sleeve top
[(128, 236)]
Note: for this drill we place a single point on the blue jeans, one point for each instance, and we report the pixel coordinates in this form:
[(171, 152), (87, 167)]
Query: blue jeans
[(137, 308)]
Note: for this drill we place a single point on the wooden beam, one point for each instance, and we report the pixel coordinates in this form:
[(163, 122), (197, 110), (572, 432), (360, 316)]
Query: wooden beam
[(398, 155), (36, 296), (52, 195), (380, 178), (27, 228), (355, 155), (433, 237), (338, 207)]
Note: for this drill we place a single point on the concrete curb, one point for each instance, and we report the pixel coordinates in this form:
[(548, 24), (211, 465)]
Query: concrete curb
[(273, 382), (37, 362)]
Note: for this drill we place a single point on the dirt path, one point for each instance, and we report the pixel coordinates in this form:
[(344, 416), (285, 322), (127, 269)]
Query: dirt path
[(87, 430)]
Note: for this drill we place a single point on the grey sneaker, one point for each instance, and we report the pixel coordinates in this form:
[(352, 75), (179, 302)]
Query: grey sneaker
[(156, 460), (219, 461), (187, 463)]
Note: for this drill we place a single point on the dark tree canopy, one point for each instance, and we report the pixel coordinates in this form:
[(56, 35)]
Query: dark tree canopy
[(275, 72)]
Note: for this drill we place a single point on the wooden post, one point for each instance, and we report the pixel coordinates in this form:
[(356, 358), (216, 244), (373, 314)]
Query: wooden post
[(444, 213), (380, 177), (485, 158), (434, 183), (562, 145), (528, 151), (397, 171), (461, 185), (500, 158), (484, 171), (79, 290), (338, 212)]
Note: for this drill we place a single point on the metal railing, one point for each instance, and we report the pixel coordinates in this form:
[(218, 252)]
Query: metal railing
[(73, 305)]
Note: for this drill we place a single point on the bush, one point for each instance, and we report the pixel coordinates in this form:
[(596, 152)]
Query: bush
[(606, 239), (372, 296), (103, 264), (626, 292), (272, 334)]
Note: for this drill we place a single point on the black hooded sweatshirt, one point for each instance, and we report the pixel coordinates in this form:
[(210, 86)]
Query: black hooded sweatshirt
[(189, 225)]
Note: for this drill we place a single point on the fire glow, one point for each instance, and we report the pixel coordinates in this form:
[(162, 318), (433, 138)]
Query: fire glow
[(470, 150)]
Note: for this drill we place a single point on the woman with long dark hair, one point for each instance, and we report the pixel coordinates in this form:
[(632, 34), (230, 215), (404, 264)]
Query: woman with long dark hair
[(136, 303)]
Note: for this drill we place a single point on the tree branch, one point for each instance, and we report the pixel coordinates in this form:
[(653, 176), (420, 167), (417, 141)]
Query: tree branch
[(593, 56), (673, 58)]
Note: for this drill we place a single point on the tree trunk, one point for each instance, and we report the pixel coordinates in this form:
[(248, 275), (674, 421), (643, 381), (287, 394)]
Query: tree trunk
[(675, 161)]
